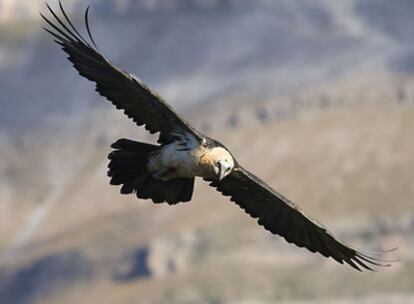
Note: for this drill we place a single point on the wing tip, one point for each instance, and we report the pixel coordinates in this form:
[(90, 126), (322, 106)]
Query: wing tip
[(363, 259), (64, 28)]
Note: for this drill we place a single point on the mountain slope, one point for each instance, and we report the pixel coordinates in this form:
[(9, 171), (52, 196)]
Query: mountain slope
[(345, 162)]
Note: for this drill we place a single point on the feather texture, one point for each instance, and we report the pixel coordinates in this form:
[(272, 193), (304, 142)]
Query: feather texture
[(126, 92), (280, 216)]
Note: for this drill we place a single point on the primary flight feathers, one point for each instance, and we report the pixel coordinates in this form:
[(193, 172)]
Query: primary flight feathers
[(166, 172), (126, 92)]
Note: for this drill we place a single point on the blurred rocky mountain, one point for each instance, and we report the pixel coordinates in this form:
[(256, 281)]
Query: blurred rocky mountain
[(197, 51), (324, 89), (342, 150)]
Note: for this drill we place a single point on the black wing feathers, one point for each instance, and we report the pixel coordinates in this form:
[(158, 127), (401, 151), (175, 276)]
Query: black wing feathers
[(280, 216), (126, 92)]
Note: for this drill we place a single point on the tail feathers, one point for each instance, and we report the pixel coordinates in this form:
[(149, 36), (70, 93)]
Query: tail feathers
[(128, 167), (172, 191)]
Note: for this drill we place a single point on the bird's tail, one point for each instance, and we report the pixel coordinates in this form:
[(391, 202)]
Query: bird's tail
[(128, 167)]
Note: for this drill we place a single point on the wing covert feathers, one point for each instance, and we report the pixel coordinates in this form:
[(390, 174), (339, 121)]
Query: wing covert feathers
[(280, 216), (126, 92)]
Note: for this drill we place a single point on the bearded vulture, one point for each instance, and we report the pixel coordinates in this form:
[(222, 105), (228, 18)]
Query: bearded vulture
[(166, 172)]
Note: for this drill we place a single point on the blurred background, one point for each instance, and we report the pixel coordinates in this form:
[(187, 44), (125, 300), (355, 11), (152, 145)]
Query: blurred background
[(324, 89)]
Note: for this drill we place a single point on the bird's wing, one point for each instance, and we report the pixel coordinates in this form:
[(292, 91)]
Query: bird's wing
[(280, 216), (126, 92)]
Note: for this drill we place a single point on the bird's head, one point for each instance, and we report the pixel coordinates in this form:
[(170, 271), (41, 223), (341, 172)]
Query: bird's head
[(217, 161), (223, 167), (223, 162)]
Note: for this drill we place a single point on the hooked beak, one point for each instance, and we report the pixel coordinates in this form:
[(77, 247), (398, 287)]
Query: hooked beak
[(221, 169)]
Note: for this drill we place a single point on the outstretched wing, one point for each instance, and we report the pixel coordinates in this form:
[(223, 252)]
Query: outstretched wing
[(126, 92), (280, 216)]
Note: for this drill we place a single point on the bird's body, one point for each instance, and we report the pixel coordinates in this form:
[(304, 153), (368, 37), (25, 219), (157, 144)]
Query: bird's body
[(187, 157), (166, 172)]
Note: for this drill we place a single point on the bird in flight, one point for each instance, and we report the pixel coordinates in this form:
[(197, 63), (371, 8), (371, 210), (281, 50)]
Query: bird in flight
[(166, 172)]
